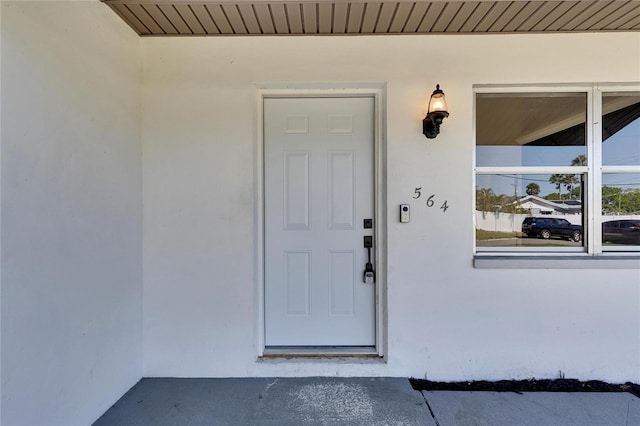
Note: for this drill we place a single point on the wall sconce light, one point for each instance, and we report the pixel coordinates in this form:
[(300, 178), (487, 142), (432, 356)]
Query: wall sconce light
[(436, 113)]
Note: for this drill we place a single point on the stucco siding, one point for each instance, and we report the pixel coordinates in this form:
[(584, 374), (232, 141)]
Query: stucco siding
[(445, 320), (71, 212)]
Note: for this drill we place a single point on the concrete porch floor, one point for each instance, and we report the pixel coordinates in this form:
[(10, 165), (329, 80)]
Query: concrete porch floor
[(356, 401)]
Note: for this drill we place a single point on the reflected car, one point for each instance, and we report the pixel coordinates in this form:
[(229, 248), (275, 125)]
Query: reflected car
[(548, 227), (625, 231)]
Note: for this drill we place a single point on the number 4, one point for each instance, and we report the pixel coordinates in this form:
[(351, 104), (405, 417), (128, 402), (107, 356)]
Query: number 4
[(444, 206)]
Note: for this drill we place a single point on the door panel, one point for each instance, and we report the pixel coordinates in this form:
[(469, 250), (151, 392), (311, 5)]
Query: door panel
[(342, 195), (318, 162), (296, 190)]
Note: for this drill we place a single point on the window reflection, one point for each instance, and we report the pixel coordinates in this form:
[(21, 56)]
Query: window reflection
[(621, 129), (620, 191), (540, 210), (543, 129), (620, 210), (527, 148)]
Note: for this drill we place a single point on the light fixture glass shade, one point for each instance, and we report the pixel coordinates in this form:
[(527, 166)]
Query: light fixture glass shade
[(438, 102)]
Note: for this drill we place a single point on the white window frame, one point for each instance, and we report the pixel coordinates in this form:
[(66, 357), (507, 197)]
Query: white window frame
[(592, 202)]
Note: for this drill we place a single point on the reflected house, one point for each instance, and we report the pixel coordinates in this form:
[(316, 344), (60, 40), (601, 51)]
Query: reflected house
[(540, 206), (534, 206)]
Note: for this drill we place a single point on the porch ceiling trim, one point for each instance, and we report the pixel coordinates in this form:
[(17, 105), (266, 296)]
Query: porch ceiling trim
[(365, 17)]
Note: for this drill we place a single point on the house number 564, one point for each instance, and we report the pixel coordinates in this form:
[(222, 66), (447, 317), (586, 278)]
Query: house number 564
[(431, 200)]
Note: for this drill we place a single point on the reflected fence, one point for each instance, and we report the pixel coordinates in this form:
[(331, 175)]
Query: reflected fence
[(512, 222)]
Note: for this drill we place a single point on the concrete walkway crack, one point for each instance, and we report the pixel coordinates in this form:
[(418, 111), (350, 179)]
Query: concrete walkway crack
[(435, 419), (271, 384)]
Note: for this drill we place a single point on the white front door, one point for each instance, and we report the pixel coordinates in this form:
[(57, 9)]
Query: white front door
[(319, 186)]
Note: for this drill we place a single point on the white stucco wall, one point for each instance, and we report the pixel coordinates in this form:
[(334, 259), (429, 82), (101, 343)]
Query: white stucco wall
[(71, 212), (446, 320)]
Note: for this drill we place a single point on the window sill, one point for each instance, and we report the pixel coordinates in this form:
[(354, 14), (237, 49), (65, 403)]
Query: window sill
[(557, 262)]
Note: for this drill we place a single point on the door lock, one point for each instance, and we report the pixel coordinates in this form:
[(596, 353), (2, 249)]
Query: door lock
[(369, 276)]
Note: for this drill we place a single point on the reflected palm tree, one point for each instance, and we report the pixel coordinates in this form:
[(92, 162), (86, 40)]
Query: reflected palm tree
[(533, 189), (485, 199), (558, 181), (569, 181), (580, 160)]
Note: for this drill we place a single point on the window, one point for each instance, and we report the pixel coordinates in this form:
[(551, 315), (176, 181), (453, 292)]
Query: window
[(557, 170)]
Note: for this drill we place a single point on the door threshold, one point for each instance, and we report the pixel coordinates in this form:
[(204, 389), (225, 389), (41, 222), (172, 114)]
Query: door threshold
[(320, 352)]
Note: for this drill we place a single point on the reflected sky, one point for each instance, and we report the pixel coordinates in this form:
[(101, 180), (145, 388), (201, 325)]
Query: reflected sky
[(625, 181), (623, 148)]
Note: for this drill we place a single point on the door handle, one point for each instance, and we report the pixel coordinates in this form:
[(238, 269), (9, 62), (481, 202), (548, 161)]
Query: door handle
[(369, 275)]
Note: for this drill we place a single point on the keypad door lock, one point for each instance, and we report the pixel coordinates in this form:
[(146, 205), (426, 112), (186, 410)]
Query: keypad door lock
[(369, 275)]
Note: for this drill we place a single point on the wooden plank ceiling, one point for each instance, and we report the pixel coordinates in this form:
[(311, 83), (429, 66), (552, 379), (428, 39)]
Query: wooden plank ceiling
[(266, 17)]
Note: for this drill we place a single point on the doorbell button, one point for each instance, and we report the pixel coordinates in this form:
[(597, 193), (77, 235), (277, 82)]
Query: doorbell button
[(404, 213)]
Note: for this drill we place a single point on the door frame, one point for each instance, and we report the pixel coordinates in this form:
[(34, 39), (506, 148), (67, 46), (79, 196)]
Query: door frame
[(377, 92)]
